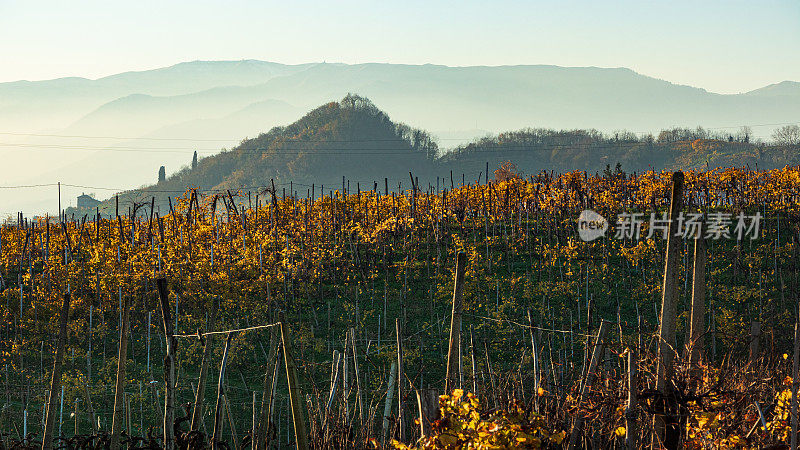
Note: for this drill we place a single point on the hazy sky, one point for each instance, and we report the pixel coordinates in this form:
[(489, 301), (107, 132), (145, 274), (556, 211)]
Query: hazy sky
[(723, 46)]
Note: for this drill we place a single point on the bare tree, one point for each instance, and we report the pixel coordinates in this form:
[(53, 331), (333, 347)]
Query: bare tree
[(788, 135), (744, 134)]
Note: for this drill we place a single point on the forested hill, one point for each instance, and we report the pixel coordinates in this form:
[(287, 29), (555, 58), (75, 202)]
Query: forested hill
[(351, 138), (532, 150), (354, 139)]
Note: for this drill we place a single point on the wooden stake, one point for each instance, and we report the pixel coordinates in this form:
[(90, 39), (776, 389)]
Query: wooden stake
[(336, 371), (697, 324), (254, 429), (401, 416), (118, 418), (92, 415), (795, 382), (599, 347), (474, 366), (490, 372), (428, 401), (295, 394), (215, 438), (535, 355), (631, 412), (55, 382), (266, 399), (755, 334), (234, 435), (169, 366), (453, 352), (358, 378), (387, 410), (666, 428), (197, 412), (127, 401)]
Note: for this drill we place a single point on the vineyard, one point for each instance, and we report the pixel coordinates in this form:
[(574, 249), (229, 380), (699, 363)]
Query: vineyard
[(444, 316)]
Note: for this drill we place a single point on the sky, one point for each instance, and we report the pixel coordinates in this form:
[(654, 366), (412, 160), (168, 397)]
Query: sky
[(726, 46)]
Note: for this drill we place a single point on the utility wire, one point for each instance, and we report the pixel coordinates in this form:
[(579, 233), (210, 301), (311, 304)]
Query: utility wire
[(299, 147), (73, 136)]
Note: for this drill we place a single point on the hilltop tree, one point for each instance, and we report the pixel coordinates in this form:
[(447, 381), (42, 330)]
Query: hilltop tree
[(194, 160), (162, 174), (507, 171)]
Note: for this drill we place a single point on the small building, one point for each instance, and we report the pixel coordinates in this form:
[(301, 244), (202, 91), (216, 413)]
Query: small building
[(87, 201)]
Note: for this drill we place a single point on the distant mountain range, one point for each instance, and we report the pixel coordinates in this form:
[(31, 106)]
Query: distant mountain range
[(123, 127)]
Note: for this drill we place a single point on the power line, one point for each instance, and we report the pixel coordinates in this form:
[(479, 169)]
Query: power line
[(240, 139), (143, 191), (294, 147), (28, 186), (340, 151), (752, 126), (116, 137), (74, 136), (187, 150)]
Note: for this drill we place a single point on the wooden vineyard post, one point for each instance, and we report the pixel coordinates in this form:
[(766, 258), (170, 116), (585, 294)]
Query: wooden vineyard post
[(795, 381), (295, 394), (401, 416), (197, 412), (358, 377), (169, 365), (474, 366), (453, 351), (55, 382), (345, 368), (599, 348), (254, 429), (92, 415), (336, 371), (119, 388), (428, 401), (387, 410), (666, 428), (231, 423), (217, 433), (535, 355), (276, 376), (126, 400), (631, 413), (266, 400), (490, 374), (755, 334), (795, 363), (698, 313)]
